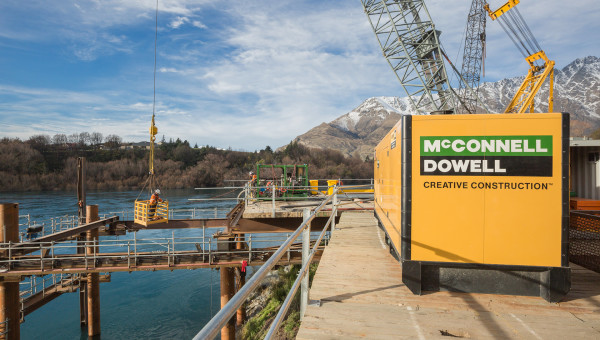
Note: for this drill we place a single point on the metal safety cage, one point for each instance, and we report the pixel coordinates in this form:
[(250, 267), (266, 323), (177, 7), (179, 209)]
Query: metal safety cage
[(145, 213)]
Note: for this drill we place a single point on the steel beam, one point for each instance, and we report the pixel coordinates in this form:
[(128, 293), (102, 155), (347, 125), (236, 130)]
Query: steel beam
[(69, 285), (244, 225), (174, 224), (277, 225), (61, 235), (123, 262)]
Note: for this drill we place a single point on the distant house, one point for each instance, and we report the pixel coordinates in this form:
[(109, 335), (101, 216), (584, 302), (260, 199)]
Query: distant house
[(138, 145)]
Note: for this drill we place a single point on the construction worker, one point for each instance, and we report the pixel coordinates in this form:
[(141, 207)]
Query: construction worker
[(154, 199), (252, 183)]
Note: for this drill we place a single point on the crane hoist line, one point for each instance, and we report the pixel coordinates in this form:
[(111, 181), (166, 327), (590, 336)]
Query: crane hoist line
[(541, 67), (154, 209)]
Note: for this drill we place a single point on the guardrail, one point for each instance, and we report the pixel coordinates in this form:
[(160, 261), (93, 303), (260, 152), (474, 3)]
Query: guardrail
[(30, 229), (32, 285), (211, 329), (44, 254)]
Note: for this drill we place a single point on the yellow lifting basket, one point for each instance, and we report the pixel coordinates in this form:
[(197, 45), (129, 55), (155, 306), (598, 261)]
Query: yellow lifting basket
[(145, 214)]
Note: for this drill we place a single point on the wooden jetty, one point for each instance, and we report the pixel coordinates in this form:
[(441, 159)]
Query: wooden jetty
[(362, 296)]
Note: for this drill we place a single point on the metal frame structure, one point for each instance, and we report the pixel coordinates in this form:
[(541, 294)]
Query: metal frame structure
[(473, 55), (212, 328), (137, 254), (540, 67), (409, 42), (292, 183)]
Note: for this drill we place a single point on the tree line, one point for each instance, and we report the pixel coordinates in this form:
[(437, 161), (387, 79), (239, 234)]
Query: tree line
[(43, 163)]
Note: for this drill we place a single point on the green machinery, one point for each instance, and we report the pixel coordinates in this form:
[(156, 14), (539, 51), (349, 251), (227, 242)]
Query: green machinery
[(284, 180)]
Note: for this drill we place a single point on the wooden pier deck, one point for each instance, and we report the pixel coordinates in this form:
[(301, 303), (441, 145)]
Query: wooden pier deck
[(362, 297)]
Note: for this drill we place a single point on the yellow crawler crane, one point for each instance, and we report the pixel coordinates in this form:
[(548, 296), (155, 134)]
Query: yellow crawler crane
[(151, 211), (540, 66)]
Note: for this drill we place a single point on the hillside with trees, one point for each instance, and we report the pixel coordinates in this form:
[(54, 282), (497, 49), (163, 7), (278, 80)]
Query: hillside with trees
[(44, 163)]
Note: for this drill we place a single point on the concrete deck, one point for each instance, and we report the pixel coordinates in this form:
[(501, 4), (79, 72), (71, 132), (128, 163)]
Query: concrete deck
[(360, 287)]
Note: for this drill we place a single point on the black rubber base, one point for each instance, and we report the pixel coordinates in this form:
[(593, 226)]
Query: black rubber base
[(550, 283)]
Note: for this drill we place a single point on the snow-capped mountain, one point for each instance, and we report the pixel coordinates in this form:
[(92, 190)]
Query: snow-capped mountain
[(576, 90), (359, 130), (371, 113)]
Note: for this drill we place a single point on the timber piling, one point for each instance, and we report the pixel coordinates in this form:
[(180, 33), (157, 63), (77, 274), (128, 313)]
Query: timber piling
[(10, 318), (227, 292), (93, 279)]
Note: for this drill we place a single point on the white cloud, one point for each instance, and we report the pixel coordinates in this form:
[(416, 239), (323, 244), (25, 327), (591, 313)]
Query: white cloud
[(256, 74), (198, 24), (168, 70), (178, 21)]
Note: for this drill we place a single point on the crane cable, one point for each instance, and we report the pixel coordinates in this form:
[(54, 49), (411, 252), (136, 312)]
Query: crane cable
[(151, 182), (153, 129), (518, 31)]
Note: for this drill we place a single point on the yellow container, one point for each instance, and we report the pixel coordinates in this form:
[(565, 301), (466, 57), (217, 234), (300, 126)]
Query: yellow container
[(330, 184), (314, 186)]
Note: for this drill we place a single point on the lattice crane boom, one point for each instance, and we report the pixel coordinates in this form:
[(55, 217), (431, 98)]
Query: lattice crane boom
[(410, 43), (474, 53)]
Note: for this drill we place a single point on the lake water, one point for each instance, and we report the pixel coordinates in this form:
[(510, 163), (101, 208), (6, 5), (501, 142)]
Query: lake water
[(155, 305)]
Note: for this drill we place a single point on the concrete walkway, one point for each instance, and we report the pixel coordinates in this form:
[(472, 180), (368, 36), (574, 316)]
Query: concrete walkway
[(360, 287)]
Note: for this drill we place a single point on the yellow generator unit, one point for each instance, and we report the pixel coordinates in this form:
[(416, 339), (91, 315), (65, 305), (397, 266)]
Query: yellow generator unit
[(478, 203), (146, 213)]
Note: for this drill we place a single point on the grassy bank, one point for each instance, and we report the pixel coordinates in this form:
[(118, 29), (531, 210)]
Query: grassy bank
[(257, 326)]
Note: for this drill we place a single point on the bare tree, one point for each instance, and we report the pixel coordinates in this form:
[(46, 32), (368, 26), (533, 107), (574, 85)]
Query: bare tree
[(96, 138), (113, 141), (84, 138), (73, 138), (39, 142), (59, 139)]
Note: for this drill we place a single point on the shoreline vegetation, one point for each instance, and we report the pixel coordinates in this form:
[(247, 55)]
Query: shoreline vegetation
[(44, 163), (264, 304)]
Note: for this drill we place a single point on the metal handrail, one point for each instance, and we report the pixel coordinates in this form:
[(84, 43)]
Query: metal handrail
[(303, 271), (65, 222), (211, 329), (169, 243)]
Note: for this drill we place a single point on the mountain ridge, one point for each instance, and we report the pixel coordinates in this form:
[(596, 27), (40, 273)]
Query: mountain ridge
[(356, 133)]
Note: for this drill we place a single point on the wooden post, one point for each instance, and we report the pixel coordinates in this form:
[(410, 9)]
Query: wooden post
[(93, 279), (227, 291), (10, 311), (241, 312), (81, 210)]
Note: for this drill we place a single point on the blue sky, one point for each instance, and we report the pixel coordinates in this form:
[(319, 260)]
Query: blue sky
[(240, 74)]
